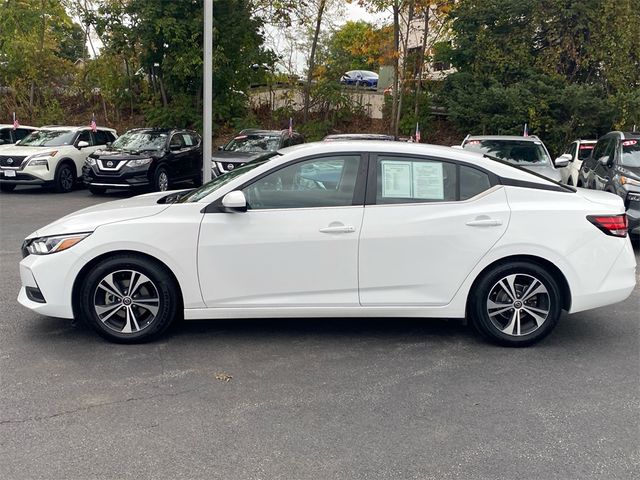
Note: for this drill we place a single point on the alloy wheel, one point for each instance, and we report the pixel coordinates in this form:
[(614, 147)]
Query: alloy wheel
[(518, 304), (126, 301), (66, 179), (163, 182)]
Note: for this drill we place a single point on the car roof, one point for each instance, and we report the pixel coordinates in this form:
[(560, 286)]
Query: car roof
[(423, 149), (73, 128), (10, 125), (258, 131), (359, 136), (530, 138)]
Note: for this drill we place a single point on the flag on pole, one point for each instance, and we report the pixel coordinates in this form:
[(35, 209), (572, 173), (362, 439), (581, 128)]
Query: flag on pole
[(290, 125), (93, 125), (16, 124), (526, 130), (417, 132)]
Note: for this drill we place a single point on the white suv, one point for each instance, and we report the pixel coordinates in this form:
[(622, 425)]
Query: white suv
[(575, 153), (53, 155)]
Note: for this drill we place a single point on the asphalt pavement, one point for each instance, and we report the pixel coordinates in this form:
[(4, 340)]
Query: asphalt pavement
[(308, 399)]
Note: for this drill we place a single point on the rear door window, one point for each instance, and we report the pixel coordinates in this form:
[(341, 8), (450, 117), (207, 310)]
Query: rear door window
[(5, 135), (102, 137)]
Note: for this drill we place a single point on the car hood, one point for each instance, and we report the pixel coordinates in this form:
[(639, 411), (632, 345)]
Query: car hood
[(544, 170), (630, 171), (88, 219), (124, 155), (25, 151), (235, 157)]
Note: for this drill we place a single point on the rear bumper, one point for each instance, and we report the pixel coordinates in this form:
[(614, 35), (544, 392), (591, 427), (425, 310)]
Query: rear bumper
[(616, 286)]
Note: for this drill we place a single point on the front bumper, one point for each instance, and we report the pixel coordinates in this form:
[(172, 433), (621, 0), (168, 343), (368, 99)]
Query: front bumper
[(124, 179), (633, 212), (18, 177)]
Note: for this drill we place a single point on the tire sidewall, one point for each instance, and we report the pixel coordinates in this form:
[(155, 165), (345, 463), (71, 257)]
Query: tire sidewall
[(58, 177), (480, 316), (156, 179), (163, 281)]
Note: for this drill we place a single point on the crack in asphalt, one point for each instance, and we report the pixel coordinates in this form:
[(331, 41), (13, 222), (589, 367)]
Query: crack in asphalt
[(89, 407)]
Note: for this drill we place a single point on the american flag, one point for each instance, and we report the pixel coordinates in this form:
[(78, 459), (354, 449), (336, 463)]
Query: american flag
[(417, 133), (16, 124), (290, 125), (93, 125), (526, 130)]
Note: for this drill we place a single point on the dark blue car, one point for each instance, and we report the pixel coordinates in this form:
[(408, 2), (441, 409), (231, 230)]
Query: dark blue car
[(361, 78)]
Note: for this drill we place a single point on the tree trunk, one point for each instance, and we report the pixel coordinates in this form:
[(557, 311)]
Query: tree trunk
[(423, 49), (396, 51), (312, 59)]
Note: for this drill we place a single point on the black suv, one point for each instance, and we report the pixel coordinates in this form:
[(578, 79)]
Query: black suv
[(156, 157), (614, 166), (251, 144)]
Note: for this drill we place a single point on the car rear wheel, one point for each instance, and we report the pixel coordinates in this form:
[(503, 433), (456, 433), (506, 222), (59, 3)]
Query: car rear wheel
[(64, 179), (516, 304), (7, 187), (97, 190), (129, 299), (161, 180)]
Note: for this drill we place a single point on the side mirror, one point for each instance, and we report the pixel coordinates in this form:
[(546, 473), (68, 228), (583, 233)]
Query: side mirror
[(82, 144), (109, 145), (563, 160), (234, 202), (220, 148), (604, 160)]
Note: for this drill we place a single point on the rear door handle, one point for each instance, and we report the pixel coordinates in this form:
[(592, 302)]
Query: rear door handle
[(338, 229), (484, 222)]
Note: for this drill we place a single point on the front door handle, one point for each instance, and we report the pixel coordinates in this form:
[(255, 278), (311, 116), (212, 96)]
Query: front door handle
[(338, 229), (484, 221)]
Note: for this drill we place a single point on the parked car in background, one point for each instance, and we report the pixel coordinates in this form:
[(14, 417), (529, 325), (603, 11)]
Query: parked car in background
[(438, 233), (143, 157), (10, 135), (360, 78), (526, 152), (339, 137), (575, 154), (51, 156), (249, 145), (614, 166)]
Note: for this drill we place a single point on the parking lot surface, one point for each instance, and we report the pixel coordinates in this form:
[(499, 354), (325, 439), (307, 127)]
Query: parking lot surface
[(308, 399)]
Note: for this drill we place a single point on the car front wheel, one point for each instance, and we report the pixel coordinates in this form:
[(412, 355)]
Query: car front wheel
[(516, 304), (64, 179), (161, 180), (129, 299)]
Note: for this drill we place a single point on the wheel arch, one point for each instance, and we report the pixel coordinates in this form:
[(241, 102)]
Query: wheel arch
[(69, 161), (549, 266), (84, 271)]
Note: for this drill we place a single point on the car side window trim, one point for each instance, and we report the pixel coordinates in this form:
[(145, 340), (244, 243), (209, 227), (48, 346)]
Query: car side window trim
[(358, 194), (372, 177)]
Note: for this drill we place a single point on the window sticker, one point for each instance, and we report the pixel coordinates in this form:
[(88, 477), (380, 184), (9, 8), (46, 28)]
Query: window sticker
[(396, 179), (428, 180)]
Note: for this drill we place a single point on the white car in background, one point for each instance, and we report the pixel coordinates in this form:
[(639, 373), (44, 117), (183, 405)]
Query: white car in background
[(339, 229), (575, 154), (51, 156), (10, 135)]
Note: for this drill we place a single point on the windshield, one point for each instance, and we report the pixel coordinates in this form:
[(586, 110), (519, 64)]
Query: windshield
[(519, 152), (199, 193), (631, 153), (585, 149), (48, 138), (253, 143), (141, 141)]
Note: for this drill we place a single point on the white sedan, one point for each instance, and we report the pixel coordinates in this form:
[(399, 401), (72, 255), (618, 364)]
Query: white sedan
[(345, 229)]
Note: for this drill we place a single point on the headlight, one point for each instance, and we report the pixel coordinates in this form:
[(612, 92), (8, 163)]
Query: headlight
[(41, 159), (54, 244), (140, 162), (90, 161), (629, 181)]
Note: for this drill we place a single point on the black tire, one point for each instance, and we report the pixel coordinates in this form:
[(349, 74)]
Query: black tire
[(7, 187), (65, 178), (507, 325), (154, 287), (97, 190), (159, 183)]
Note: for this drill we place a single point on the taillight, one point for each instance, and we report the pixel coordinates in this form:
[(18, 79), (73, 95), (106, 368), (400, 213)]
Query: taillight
[(615, 225)]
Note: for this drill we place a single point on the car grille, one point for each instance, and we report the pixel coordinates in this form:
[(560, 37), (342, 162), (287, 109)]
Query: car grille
[(111, 165), (11, 161)]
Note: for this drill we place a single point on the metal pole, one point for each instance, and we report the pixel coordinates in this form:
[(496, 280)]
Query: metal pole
[(207, 91)]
